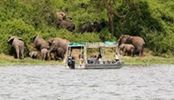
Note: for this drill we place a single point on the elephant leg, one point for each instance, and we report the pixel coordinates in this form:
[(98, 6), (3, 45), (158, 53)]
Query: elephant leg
[(48, 55), (44, 56), (52, 55), (22, 53), (56, 56), (62, 56), (17, 52), (65, 57), (132, 53), (124, 52), (141, 52)]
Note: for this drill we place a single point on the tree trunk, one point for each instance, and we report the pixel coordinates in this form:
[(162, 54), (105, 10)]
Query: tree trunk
[(110, 14), (111, 23)]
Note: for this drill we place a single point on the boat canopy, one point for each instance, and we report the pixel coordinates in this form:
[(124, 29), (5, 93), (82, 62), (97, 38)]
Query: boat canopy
[(93, 44), (76, 44)]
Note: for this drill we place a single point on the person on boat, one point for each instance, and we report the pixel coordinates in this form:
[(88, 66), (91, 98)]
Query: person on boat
[(116, 57), (81, 58), (71, 62), (99, 59)]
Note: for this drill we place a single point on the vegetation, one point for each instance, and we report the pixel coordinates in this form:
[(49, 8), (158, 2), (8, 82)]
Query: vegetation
[(147, 60), (151, 19)]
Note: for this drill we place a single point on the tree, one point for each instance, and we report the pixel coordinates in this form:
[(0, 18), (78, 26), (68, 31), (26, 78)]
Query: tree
[(110, 7)]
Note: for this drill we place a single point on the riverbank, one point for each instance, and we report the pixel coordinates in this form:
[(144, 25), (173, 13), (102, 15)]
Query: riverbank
[(146, 60), (9, 60)]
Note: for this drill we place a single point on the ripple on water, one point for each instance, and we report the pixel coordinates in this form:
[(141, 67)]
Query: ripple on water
[(59, 83)]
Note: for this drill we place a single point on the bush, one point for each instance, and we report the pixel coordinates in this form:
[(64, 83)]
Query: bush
[(14, 27), (152, 20)]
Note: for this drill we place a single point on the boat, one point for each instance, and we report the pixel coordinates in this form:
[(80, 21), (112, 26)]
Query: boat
[(95, 62)]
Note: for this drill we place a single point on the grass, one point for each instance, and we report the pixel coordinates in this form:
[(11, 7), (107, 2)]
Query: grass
[(145, 60), (9, 60)]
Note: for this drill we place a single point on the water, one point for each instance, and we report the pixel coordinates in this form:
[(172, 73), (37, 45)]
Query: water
[(59, 83)]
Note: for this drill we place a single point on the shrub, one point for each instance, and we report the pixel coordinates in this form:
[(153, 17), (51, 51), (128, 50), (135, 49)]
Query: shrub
[(15, 27)]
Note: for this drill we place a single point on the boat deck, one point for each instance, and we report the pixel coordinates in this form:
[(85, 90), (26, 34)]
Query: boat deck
[(116, 65)]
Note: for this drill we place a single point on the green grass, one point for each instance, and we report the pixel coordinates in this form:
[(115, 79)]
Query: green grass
[(146, 60), (9, 60)]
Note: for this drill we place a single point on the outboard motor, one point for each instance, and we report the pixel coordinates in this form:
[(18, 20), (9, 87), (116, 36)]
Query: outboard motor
[(71, 62)]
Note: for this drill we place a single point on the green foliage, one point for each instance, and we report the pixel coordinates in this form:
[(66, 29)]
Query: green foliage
[(14, 27), (137, 18), (151, 19)]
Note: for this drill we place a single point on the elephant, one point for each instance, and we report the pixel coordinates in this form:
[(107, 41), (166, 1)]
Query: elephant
[(98, 26), (86, 27), (67, 24), (61, 53), (44, 54), (92, 26), (127, 49), (52, 55), (83, 5), (33, 54), (18, 44), (58, 42), (58, 54), (40, 43), (58, 46), (136, 41), (60, 16), (64, 21)]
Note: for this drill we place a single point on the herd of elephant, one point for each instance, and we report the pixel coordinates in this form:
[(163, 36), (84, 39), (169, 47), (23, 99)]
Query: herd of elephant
[(128, 45), (55, 48), (64, 21)]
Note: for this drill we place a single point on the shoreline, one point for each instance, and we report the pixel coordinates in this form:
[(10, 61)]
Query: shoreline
[(63, 65), (128, 61)]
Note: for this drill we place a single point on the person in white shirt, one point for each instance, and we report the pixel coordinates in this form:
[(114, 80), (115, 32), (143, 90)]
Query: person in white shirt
[(116, 57)]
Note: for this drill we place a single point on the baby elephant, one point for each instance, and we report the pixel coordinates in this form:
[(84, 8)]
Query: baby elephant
[(33, 54), (127, 49), (18, 44), (44, 54)]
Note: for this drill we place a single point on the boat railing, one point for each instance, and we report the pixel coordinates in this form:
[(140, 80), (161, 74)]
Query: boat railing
[(95, 61)]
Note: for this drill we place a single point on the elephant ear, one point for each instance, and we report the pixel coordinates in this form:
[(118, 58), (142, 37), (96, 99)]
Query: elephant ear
[(129, 39), (10, 40), (121, 40), (50, 41), (20, 39), (36, 36)]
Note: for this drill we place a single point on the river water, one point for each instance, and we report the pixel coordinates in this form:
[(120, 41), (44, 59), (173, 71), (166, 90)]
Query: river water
[(51, 82)]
